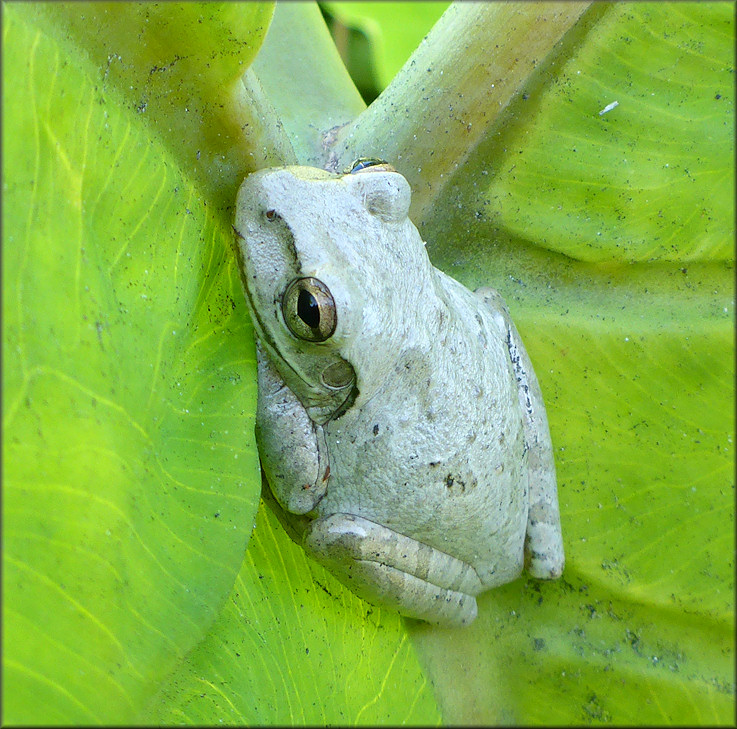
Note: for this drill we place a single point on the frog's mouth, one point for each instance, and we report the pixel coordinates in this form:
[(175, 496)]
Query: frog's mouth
[(321, 404)]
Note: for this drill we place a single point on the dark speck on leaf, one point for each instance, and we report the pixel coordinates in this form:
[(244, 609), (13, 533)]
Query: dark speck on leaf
[(376, 429)]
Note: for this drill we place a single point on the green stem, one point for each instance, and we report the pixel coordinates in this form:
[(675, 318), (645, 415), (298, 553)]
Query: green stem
[(453, 90)]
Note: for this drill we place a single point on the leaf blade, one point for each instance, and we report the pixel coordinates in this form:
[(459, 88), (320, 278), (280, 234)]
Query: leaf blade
[(125, 446)]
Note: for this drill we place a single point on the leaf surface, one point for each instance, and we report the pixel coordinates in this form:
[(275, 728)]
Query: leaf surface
[(130, 471), (293, 647)]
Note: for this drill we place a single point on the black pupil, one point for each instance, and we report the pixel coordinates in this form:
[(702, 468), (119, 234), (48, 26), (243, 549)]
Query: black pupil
[(308, 310)]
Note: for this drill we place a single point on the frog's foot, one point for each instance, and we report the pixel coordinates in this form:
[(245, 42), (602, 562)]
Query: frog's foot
[(544, 556), (293, 451), (392, 570)]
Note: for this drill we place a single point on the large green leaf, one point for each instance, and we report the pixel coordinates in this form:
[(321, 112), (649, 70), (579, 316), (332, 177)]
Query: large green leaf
[(293, 647), (650, 178), (123, 536), (183, 68), (128, 396)]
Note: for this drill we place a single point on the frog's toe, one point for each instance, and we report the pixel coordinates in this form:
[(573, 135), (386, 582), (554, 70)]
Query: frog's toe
[(392, 570), (544, 555), (544, 560), (544, 567), (386, 586)]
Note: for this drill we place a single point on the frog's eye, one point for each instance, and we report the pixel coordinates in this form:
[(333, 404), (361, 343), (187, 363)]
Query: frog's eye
[(309, 310), (363, 163), (271, 215)]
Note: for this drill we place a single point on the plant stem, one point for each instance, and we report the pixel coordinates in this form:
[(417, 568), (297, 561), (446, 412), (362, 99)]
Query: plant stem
[(453, 90)]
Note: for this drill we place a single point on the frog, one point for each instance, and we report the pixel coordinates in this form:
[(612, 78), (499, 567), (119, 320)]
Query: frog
[(401, 429)]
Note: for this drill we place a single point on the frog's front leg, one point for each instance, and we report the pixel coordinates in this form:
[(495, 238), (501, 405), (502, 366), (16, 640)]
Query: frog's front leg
[(544, 556), (292, 448), (392, 570)]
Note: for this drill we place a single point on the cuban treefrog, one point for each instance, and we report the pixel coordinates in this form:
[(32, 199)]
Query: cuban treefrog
[(400, 424)]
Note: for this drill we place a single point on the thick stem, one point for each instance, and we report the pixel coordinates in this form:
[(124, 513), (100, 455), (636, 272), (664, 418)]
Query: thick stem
[(453, 90)]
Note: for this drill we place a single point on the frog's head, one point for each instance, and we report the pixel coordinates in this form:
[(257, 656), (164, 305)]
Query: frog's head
[(331, 266)]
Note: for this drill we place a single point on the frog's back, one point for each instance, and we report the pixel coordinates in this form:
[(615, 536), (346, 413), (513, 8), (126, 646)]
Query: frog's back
[(439, 454)]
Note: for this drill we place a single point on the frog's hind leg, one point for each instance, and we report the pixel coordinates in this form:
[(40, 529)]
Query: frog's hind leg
[(392, 570), (544, 556)]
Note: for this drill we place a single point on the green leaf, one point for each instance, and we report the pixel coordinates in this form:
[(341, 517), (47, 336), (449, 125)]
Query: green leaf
[(130, 471), (183, 68), (648, 179), (293, 647)]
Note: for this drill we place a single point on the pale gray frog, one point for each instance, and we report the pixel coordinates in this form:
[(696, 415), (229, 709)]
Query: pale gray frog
[(400, 424)]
